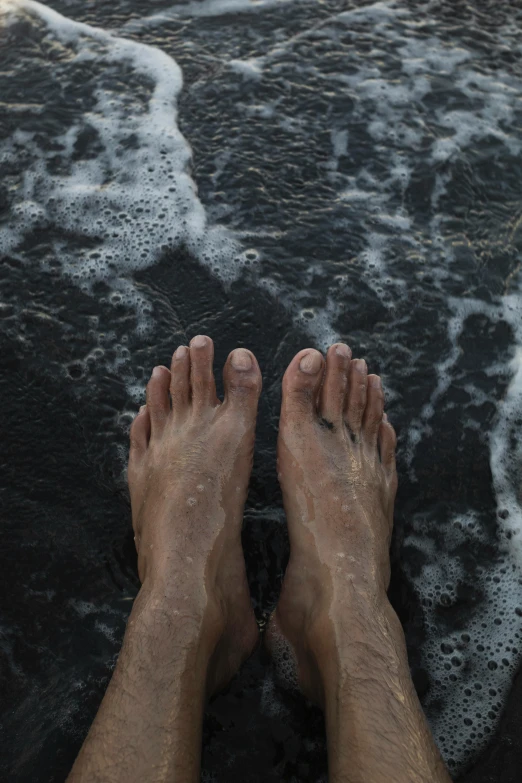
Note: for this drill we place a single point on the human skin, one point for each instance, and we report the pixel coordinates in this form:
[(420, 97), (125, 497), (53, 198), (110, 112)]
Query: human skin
[(192, 622), (336, 465)]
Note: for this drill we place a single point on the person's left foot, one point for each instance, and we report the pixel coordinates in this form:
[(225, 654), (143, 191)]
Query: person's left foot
[(336, 466), (189, 467)]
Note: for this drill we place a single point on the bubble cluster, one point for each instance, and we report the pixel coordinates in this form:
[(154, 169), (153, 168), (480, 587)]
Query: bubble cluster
[(284, 661), (472, 665), (121, 210), (116, 212)]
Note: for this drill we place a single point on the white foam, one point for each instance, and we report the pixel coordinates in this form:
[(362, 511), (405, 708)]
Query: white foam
[(284, 662), (394, 113), (505, 440), (397, 117), (205, 8), (471, 668), (375, 13), (106, 630), (84, 608), (131, 203), (340, 146), (488, 646), (249, 69)]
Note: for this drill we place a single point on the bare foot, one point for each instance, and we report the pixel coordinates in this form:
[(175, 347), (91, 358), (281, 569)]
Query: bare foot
[(189, 468), (336, 463)]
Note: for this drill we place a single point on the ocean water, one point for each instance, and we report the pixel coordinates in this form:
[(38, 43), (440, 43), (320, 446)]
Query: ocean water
[(276, 174)]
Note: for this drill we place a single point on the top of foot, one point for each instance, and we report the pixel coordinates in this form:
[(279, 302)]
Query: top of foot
[(336, 466), (189, 467)]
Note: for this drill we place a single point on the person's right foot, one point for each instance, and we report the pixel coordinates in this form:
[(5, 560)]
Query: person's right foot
[(189, 467), (336, 465)]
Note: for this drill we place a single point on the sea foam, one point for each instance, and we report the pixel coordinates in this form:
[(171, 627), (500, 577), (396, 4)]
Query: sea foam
[(135, 199)]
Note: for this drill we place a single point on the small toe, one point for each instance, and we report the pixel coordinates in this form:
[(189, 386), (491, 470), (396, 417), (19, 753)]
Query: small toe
[(387, 446), (140, 432), (374, 409), (158, 401), (242, 380), (301, 384), (355, 404), (335, 385), (180, 379), (203, 386)]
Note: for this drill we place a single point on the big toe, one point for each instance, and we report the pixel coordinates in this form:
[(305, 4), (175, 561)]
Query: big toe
[(242, 381), (301, 384)]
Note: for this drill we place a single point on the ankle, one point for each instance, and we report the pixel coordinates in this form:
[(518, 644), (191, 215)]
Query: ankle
[(355, 624), (177, 616)]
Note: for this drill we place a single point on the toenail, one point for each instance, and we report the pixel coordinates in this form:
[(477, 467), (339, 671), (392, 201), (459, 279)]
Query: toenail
[(156, 372), (241, 359), (384, 417), (375, 381), (142, 409), (311, 363), (181, 352), (199, 342), (360, 365), (342, 350)]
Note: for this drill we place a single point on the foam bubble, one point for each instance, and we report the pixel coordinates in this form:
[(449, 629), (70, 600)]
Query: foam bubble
[(249, 69), (205, 8), (472, 668), (284, 660), (134, 200)]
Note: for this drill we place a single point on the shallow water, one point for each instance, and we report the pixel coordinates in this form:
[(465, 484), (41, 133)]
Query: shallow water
[(275, 174)]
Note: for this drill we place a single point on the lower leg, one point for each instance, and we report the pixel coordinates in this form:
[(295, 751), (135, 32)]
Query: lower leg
[(336, 462), (375, 725)]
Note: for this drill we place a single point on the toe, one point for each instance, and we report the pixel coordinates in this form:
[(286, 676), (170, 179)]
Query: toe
[(203, 387), (374, 409), (387, 445), (242, 380), (158, 402), (356, 397), (335, 385), (140, 432), (180, 379), (302, 382)]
